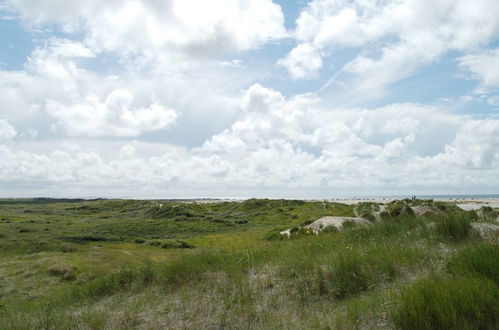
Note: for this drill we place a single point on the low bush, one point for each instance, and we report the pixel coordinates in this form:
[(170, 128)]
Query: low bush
[(449, 303), (397, 209), (176, 245), (84, 238)]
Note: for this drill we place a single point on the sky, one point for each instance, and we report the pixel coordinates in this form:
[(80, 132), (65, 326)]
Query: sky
[(248, 98)]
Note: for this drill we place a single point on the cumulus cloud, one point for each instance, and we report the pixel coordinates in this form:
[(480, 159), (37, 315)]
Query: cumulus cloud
[(292, 145), (177, 27), (55, 87), (304, 61), (113, 117), (396, 37)]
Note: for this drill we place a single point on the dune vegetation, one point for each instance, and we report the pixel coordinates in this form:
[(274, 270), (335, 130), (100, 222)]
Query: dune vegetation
[(116, 264)]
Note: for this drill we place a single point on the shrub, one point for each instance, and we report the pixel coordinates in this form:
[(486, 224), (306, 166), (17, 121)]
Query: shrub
[(454, 227), (397, 209), (479, 261), (367, 207), (84, 238), (176, 245), (139, 241), (448, 303)]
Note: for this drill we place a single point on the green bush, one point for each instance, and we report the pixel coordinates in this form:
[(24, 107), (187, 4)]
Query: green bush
[(455, 227), (176, 245), (397, 209), (367, 208), (478, 261), (449, 303)]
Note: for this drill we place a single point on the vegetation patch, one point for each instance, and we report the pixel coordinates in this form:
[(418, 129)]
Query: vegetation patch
[(454, 227), (64, 272), (139, 256), (478, 261), (449, 303), (176, 245)]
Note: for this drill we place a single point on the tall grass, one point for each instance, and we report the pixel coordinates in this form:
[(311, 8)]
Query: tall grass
[(449, 303), (454, 227), (479, 261)]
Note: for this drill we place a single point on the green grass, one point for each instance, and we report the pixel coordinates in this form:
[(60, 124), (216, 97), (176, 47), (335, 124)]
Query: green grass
[(449, 303), (478, 261), (121, 264), (454, 227)]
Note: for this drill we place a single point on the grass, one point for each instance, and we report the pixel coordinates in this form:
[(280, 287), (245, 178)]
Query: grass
[(212, 274), (478, 261), (454, 227), (449, 303)]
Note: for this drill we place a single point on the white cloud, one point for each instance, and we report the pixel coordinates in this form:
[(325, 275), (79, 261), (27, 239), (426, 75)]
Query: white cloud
[(484, 66), (172, 28), (7, 132), (302, 62), (55, 87), (295, 147), (167, 118), (395, 37), (113, 117), (261, 99)]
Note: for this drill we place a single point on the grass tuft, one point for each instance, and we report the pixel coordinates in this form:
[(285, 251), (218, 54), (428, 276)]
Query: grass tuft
[(449, 303), (454, 227)]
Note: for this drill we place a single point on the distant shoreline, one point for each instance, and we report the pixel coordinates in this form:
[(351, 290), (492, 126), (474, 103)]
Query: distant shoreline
[(487, 199)]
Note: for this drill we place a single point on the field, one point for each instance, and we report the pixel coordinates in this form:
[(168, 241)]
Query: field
[(121, 264)]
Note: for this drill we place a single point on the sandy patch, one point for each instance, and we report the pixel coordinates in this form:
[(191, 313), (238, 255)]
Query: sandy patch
[(324, 222)]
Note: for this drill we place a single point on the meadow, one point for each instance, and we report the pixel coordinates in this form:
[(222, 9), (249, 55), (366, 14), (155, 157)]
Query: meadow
[(122, 264)]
